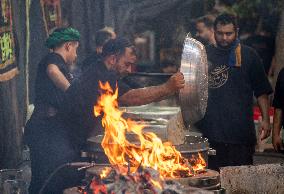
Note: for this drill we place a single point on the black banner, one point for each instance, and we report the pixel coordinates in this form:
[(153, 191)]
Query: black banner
[(8, 68), (51, 10)]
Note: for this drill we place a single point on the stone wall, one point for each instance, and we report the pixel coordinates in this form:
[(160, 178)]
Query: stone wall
[(267, 178)]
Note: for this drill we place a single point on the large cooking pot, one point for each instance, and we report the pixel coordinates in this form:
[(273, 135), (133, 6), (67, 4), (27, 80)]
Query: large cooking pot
[(192, 146)]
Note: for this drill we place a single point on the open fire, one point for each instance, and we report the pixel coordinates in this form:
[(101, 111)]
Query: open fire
[(143, 181), (148, 152)]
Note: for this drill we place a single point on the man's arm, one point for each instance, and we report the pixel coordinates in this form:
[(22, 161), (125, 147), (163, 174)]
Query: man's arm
[(57, 77), (277, 123), (141, 96), (265, 123)]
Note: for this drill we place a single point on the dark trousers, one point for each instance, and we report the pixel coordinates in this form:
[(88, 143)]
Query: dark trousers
[(50, 147), (230, 155)]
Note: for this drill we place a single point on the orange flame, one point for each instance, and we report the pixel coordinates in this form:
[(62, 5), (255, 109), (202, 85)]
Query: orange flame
[(105, 172), (199, 163), (150, 152)]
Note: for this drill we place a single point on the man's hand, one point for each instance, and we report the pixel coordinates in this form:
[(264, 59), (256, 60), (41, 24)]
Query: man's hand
[(277, 125), (264, 130), (277, 142), (176, 82)]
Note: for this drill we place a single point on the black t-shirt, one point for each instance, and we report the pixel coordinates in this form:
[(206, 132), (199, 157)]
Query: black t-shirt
[(229, 115), (89, 61), (278, 101), (45, 90), (86, 64), (81, 97)]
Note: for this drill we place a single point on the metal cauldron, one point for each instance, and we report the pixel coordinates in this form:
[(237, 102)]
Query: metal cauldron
[(192, 146)]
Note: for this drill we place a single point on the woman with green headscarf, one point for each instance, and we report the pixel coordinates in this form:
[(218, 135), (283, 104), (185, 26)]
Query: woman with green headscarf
[(53, 79)]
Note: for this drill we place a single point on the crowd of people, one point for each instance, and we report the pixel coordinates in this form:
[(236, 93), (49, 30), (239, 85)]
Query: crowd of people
[(63, 117)]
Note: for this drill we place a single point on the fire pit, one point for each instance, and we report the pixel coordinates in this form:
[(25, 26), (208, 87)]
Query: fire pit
[(208, 179), (104, 179), (140, 162)]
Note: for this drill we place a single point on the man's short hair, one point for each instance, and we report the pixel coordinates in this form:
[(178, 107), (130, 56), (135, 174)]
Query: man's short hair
[(207, 20), (225, 19), (116, 46), (102, 36)]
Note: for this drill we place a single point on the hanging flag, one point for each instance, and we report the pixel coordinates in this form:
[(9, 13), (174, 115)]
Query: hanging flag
[(8, 67), (51, 12)]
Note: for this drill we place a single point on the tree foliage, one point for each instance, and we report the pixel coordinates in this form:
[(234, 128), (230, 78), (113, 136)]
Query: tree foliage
[(257, 8)]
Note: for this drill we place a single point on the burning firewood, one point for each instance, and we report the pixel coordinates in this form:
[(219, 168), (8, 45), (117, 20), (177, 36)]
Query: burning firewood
[(143, 181), (136, 169)]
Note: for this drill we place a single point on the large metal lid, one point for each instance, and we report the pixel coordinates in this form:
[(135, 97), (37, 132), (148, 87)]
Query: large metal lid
[(193, 97)]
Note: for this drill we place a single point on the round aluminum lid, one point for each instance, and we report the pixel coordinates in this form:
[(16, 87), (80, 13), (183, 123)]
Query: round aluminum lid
[(193, 97)]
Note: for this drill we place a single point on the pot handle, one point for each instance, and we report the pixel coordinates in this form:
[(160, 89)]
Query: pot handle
[(211, 152)]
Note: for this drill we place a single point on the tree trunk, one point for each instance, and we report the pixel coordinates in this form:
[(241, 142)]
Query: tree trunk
[(10, 130), (279, 55)]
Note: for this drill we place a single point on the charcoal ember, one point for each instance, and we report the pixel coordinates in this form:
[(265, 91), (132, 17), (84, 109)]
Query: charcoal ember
[(80, 189), (186, 162), (140, 182), (172, 186), (148, 191), (122, 187), (169, 191), (200, 171), (194, 160), (183, 173), (143, 181), (123, 184), (150, 173), (169, 182), (97, 185), (111, 175)]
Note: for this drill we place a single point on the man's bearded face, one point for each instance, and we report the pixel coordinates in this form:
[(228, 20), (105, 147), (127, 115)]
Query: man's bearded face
[(203, 33), (126, 61), (225, 35)]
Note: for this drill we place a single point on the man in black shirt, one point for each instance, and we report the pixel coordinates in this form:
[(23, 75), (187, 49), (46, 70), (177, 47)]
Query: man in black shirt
[(117, 58), (278, 103), (101, 37), (53, 79), (235, 75)]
